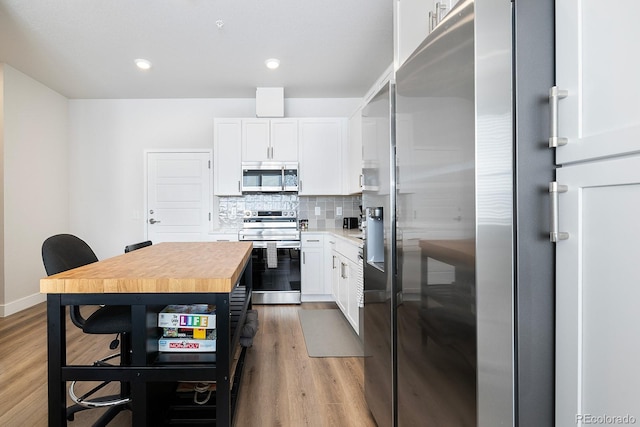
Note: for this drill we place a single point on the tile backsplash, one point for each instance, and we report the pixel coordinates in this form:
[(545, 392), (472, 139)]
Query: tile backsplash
[(231, 209), (328, 216)]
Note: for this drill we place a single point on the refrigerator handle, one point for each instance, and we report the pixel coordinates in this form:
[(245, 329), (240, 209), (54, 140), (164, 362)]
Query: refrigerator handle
[(554, 189), (555, 95)]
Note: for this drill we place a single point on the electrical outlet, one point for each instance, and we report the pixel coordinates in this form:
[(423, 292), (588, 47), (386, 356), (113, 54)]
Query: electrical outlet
[(339, 210), (318, 211)]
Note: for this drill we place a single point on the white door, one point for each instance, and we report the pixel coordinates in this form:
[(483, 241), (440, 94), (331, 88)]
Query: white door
[(178, 196), (597, 64), (598, 291), (227, 146), (256, 146), (284, 140), (321, 153), (597, 268)]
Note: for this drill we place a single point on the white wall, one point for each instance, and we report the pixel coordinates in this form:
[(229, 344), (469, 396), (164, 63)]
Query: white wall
[(107, 143), (35, 182)]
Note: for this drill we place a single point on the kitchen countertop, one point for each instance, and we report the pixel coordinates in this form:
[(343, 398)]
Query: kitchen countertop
[(347, 234)]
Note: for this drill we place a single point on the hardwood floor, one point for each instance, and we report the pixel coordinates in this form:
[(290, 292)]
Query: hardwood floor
[(281, 385)]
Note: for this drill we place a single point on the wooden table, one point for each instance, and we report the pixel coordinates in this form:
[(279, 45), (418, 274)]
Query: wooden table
[(148, 279)]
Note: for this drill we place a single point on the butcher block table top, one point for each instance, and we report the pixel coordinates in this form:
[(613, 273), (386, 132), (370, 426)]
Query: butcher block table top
[(160, 268)]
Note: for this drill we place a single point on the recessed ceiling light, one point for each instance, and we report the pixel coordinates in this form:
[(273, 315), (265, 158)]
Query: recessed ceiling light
[(143, 64), (272, 63)]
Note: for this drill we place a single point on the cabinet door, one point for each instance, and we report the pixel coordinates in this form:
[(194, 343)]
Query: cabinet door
[(255, 140), (320, 145), (284, 140), (227, 142), (352, 295), (353, 177), (597, 292), (343, 288), (412, 28), (600, 116), (335, 276), (311, 271), (312, 267)]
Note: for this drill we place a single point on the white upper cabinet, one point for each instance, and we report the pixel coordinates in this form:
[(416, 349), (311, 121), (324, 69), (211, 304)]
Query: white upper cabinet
[(600, 115), (411, 27), (270, 140), (284, 140), (414, 20), (227, 141), (322, 148), (353, 178)]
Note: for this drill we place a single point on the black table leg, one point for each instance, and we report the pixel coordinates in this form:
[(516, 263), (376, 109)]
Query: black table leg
[(57, 357)]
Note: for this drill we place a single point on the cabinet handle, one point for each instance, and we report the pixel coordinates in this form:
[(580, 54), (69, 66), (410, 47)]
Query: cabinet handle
[(239, 189), (313, 240), (333, 262), (304, 259), (555, 95), (441, 8), (554, 189), (342, 270)]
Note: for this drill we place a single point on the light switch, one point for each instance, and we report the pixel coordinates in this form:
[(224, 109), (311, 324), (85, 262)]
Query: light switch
[(338, 210), (318, 211)]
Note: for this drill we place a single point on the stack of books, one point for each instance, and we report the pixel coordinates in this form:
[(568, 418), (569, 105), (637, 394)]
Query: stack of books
[(187, 328)]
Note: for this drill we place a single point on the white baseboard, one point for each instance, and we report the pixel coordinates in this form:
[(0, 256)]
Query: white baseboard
[(21, 304)]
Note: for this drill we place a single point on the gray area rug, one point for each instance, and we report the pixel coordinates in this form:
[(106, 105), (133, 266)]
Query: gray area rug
[(328, 334)]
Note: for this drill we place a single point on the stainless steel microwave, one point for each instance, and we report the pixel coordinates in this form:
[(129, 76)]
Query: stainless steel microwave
[(269, 177)]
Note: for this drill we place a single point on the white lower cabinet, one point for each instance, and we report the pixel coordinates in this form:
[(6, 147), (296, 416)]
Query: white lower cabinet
[(314, 286), (331, 270), (347, 279)]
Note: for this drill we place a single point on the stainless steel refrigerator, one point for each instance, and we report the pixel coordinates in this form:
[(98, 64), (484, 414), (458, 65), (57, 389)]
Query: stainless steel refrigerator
[(458, 278)]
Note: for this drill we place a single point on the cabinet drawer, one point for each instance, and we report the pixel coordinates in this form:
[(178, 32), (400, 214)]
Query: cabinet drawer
[(347, 249), (312, 240)]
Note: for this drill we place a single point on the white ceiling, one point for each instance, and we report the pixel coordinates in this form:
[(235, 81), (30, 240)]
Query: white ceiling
[(86, 48)]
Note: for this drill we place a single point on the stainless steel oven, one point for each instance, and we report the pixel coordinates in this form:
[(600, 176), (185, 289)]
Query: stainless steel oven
[(275, 255)]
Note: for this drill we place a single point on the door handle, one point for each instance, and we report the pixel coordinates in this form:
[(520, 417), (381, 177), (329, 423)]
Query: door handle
[(555, 234), (555, 95), (153, 221)]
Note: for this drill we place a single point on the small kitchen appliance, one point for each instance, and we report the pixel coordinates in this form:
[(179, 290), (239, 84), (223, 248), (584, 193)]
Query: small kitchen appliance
[(350, 222)]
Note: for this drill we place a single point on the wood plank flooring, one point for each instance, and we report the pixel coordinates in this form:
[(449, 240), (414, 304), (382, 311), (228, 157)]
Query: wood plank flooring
[(281, 385)]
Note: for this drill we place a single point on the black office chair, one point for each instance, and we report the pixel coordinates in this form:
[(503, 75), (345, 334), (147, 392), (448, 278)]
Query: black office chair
[(64, 252), (137, 246)]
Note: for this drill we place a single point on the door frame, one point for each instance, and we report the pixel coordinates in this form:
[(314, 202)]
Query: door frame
[(145, 160)]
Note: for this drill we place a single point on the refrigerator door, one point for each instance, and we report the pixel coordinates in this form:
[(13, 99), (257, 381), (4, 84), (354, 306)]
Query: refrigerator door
[(436, 220), (377, 325)]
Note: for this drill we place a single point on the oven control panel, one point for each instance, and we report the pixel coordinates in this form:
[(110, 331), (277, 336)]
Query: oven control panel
[(270, 214)]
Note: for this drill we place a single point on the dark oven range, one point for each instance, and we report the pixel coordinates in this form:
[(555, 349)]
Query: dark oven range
[(275, 255)]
